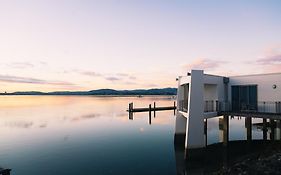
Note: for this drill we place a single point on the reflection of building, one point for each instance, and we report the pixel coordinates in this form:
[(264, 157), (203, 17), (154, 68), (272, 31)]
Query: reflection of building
[(202, 96)]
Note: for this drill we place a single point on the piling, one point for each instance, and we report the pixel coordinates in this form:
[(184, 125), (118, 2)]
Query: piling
[(154, 112), (149, 120), (225, 130), (264, 129)]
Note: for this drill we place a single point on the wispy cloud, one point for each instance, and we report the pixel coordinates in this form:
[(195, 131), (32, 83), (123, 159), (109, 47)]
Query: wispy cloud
[(273, 59), (270, 63), (204, 64), (17, 79), (20, 65), (91, 73), (112, 78)]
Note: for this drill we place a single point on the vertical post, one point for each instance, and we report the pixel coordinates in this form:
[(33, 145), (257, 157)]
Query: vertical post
[(264, 129), (149, 120), (248, 123), (174, 107), (130, 107), (205, 131), (225, 130), (278, 129), (154, 105), (272, 129)]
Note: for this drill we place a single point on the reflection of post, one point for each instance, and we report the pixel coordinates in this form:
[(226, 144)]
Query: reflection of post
[(264, 129), (272, 129), (154, 105), (225, 129), (131, 116), (149, 121), (248, 125)]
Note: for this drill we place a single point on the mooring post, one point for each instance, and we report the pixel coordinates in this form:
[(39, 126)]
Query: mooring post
[(175, 108), (130, 107), (154, 105), (149, 120), (264, 129)]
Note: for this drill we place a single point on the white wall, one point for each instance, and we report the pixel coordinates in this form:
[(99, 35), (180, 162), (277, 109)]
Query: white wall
[(214, 80), (264, 83)]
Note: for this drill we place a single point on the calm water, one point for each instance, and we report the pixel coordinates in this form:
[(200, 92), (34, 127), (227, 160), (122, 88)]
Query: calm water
[(92, 135)]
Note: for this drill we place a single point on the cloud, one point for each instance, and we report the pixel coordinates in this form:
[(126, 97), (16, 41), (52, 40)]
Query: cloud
[(28, 80), (20, 65), (112, 78), (273, 59), (90, 73), (204, 64)]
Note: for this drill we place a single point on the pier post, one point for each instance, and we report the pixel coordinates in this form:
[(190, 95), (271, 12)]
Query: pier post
[(174, 107), (131, 107), (154, 105), (248, 125), (149, 120), (264, 129), (225, 130)]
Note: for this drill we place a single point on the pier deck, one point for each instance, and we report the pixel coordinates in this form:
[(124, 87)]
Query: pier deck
[(149, 109)]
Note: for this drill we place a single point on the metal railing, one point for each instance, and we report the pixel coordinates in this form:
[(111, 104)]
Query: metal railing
[(261, 107), (210, 106)]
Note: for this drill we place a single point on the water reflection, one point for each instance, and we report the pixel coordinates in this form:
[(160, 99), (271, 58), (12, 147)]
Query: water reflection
[(84, 135)]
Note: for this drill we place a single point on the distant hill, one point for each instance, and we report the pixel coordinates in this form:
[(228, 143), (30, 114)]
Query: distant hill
[(164, 91)]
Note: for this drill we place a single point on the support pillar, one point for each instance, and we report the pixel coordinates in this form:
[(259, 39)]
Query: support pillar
[(195, 120), (272, 123), (264, 129), (180, 130), (248, 125), (225, 125)]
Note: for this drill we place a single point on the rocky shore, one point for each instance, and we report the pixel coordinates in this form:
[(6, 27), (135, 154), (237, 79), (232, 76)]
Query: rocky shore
[(266, 161)]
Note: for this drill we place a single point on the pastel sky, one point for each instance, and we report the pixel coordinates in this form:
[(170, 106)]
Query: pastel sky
[(51, 45)]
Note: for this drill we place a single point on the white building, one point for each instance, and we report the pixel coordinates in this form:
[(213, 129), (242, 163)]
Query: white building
[(201, 96)]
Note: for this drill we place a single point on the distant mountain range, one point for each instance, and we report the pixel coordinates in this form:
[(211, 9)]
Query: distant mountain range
[(164, 91)]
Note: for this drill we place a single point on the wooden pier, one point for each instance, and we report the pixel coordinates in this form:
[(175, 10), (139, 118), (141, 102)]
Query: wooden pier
[(149, 108)]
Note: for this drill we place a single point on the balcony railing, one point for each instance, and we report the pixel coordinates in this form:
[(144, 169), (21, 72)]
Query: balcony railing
[(260, 107), (216, 106), (211, 106)]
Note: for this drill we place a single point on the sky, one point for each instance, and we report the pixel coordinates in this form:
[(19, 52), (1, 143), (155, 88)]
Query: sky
[(53, 45)]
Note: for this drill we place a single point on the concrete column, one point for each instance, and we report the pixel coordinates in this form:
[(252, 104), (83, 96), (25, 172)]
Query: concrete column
[(277, 130), (264, 129), (225, 130), (272, 127), (180, 129), (195, 120)]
